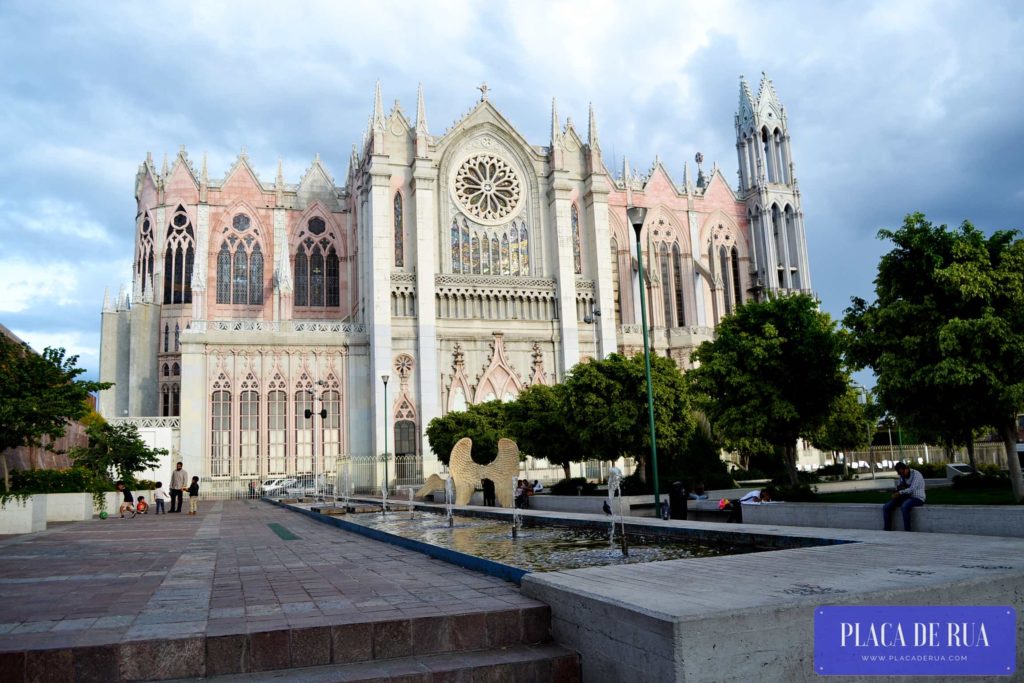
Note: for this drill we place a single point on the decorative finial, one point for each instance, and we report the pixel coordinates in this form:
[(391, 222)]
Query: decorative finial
[(483, 88)]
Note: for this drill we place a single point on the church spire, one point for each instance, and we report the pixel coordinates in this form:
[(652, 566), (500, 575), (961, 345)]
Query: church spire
[(627, 180), (204, 181), (107, 307), (592, 130), (556, 127), (279, 184), (422, 134), (378, 108)]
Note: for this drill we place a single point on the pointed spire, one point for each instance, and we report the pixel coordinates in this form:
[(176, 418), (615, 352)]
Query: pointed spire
[(556, 128), (353, 161), (107, 307), (421, 112), (163, 168), (592, 130), (149, 158), (686, 177), (122, 299), (378, 109), (627, 180), (204, 181), (279, 184)]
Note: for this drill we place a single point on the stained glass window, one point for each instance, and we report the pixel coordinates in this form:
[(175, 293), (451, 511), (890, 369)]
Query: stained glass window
[(333, 279), (495, 256), (677, 267), (178, 258), (476, 255), (240, 285), (616, 291), (456, 247), (241, 222), (504, 255), (167, 338), (466, 258), (737, 291), (666, 286), (513, 251), (256, 276), (577, 259), (316, 278), (723, 256), (316, 225), (399, 232), (224, 274), (177, 337), (301, 278), (524, 250), (485, 257)]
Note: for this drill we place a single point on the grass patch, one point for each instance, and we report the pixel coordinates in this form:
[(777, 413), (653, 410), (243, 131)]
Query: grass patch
[(282, 532), (936, 496)]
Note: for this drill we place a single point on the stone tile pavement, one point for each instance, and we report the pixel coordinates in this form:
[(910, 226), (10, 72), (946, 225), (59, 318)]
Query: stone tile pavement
[(222, 572)]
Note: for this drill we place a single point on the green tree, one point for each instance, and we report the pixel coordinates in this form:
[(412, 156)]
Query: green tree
[(537, 419), (116, 448), (607, 409), (39, 395), (945, 335), (847, 428), (484, 423), (771, 375)]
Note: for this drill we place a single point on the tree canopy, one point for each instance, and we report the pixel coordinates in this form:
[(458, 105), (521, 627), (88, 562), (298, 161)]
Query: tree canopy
[(848, 427), (945, 335), (39, 395), (484, 423), (116, 448), (538, 422), (771, 375)]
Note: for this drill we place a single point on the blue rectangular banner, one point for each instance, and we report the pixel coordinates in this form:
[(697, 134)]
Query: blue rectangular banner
[(915, 641)]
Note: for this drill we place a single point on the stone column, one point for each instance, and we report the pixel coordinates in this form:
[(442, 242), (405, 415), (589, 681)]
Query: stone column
[(378, 299), (565, 271), (596, 200), (195, 406), (427, 263)]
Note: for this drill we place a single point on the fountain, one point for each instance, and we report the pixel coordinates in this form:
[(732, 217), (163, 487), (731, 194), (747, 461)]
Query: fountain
[(615, 488), (345, 484), (516, 515), (412, 509), (449, 496), (383, 497)]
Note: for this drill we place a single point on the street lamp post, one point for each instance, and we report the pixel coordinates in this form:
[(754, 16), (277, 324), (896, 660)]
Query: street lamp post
[(323, 416), (636, 215), (384, 487)]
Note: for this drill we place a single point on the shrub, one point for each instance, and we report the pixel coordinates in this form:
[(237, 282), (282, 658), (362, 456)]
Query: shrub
[(72, 480), (570, 487), (801, 493), (743, 475), (980, 482), (931, 470)]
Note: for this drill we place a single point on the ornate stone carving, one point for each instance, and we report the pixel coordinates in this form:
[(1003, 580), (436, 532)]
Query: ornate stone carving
[(488, 188)]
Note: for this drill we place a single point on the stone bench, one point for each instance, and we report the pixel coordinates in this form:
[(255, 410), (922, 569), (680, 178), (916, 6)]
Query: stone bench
[(982, 520)]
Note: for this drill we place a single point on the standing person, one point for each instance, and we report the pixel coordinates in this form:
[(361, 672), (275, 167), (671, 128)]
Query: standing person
[(489, 493), (193, 496), (179, 480), (908, 495), (160, 496)]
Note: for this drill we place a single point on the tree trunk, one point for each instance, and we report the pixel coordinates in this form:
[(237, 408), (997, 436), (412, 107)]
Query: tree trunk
[(7, 478), (565, 468), (789, 455), (641, 469), (970, 454), (1009, 432)]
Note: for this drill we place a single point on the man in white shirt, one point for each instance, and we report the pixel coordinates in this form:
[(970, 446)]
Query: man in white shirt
[(909, 494), (755, 496)]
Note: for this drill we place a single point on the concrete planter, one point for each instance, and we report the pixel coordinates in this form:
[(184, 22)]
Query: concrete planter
[(23, 516), (68, 507)]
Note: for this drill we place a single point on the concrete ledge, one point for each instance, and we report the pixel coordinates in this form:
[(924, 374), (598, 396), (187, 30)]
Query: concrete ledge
[(23, 516), (68, 507), (979, 520)]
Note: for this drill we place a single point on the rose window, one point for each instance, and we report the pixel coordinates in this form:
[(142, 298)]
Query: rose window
[(488, 187)]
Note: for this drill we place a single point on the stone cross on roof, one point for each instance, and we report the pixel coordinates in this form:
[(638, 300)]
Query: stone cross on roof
[(483, 91)]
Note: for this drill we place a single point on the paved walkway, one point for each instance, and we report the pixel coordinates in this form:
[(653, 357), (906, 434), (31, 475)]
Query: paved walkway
[(237, 567)]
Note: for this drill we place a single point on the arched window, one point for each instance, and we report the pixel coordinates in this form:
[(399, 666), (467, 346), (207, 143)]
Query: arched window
[(476, 255), (179, 253), (769, 167), (249, 431), (240, 265), (167, 338), (466, 259), (405, 437), (577, 257), (167, 370), (504, 255), (277, 431), (666, 286), (165, 400), (317, 268), (737, 289), (616, 292), (399, 232), (456, 247), (220, 433), (485, 255), (513, 250), (144, 265), (175, 401), (332, 426), (303, 432), (677, 271), (177, 337), (495, 256), (726, 273), (175, 369), (524, 250)]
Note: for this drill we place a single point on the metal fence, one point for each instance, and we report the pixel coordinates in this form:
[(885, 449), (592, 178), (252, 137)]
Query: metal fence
[(882, 457)]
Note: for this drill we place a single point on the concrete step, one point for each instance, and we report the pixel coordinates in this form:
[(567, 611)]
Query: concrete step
[(521, 663)]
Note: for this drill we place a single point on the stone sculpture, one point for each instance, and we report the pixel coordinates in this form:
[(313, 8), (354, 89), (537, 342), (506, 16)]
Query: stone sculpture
[(466, 474)]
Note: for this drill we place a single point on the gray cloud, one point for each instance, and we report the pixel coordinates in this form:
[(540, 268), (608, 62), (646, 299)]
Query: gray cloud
[(893, 107)]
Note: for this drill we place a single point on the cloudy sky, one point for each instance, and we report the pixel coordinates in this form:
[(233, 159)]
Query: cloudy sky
[(894, 106)]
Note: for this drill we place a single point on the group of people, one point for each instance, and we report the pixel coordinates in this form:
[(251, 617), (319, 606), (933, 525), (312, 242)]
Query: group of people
[(179, 484), (523, 492)]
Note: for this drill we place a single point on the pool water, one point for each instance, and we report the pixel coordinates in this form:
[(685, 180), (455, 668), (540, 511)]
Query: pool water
[(538, 548)]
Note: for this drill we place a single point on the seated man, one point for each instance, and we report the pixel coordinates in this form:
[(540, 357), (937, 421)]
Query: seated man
[(908, 495), (755, 496)]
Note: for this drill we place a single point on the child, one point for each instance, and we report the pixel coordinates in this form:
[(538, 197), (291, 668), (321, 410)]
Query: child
[(128, 505), (193, 496), (142, 507), (160, 498)]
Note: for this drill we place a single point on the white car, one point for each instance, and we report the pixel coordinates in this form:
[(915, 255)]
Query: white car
[(276, 487)]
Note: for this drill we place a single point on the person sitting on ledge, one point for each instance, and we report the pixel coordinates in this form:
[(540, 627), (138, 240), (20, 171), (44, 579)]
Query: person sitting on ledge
[(909, 494), (756, 496)]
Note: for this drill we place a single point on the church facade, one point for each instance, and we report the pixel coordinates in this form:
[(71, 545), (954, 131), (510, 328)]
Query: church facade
[(462, 267)]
